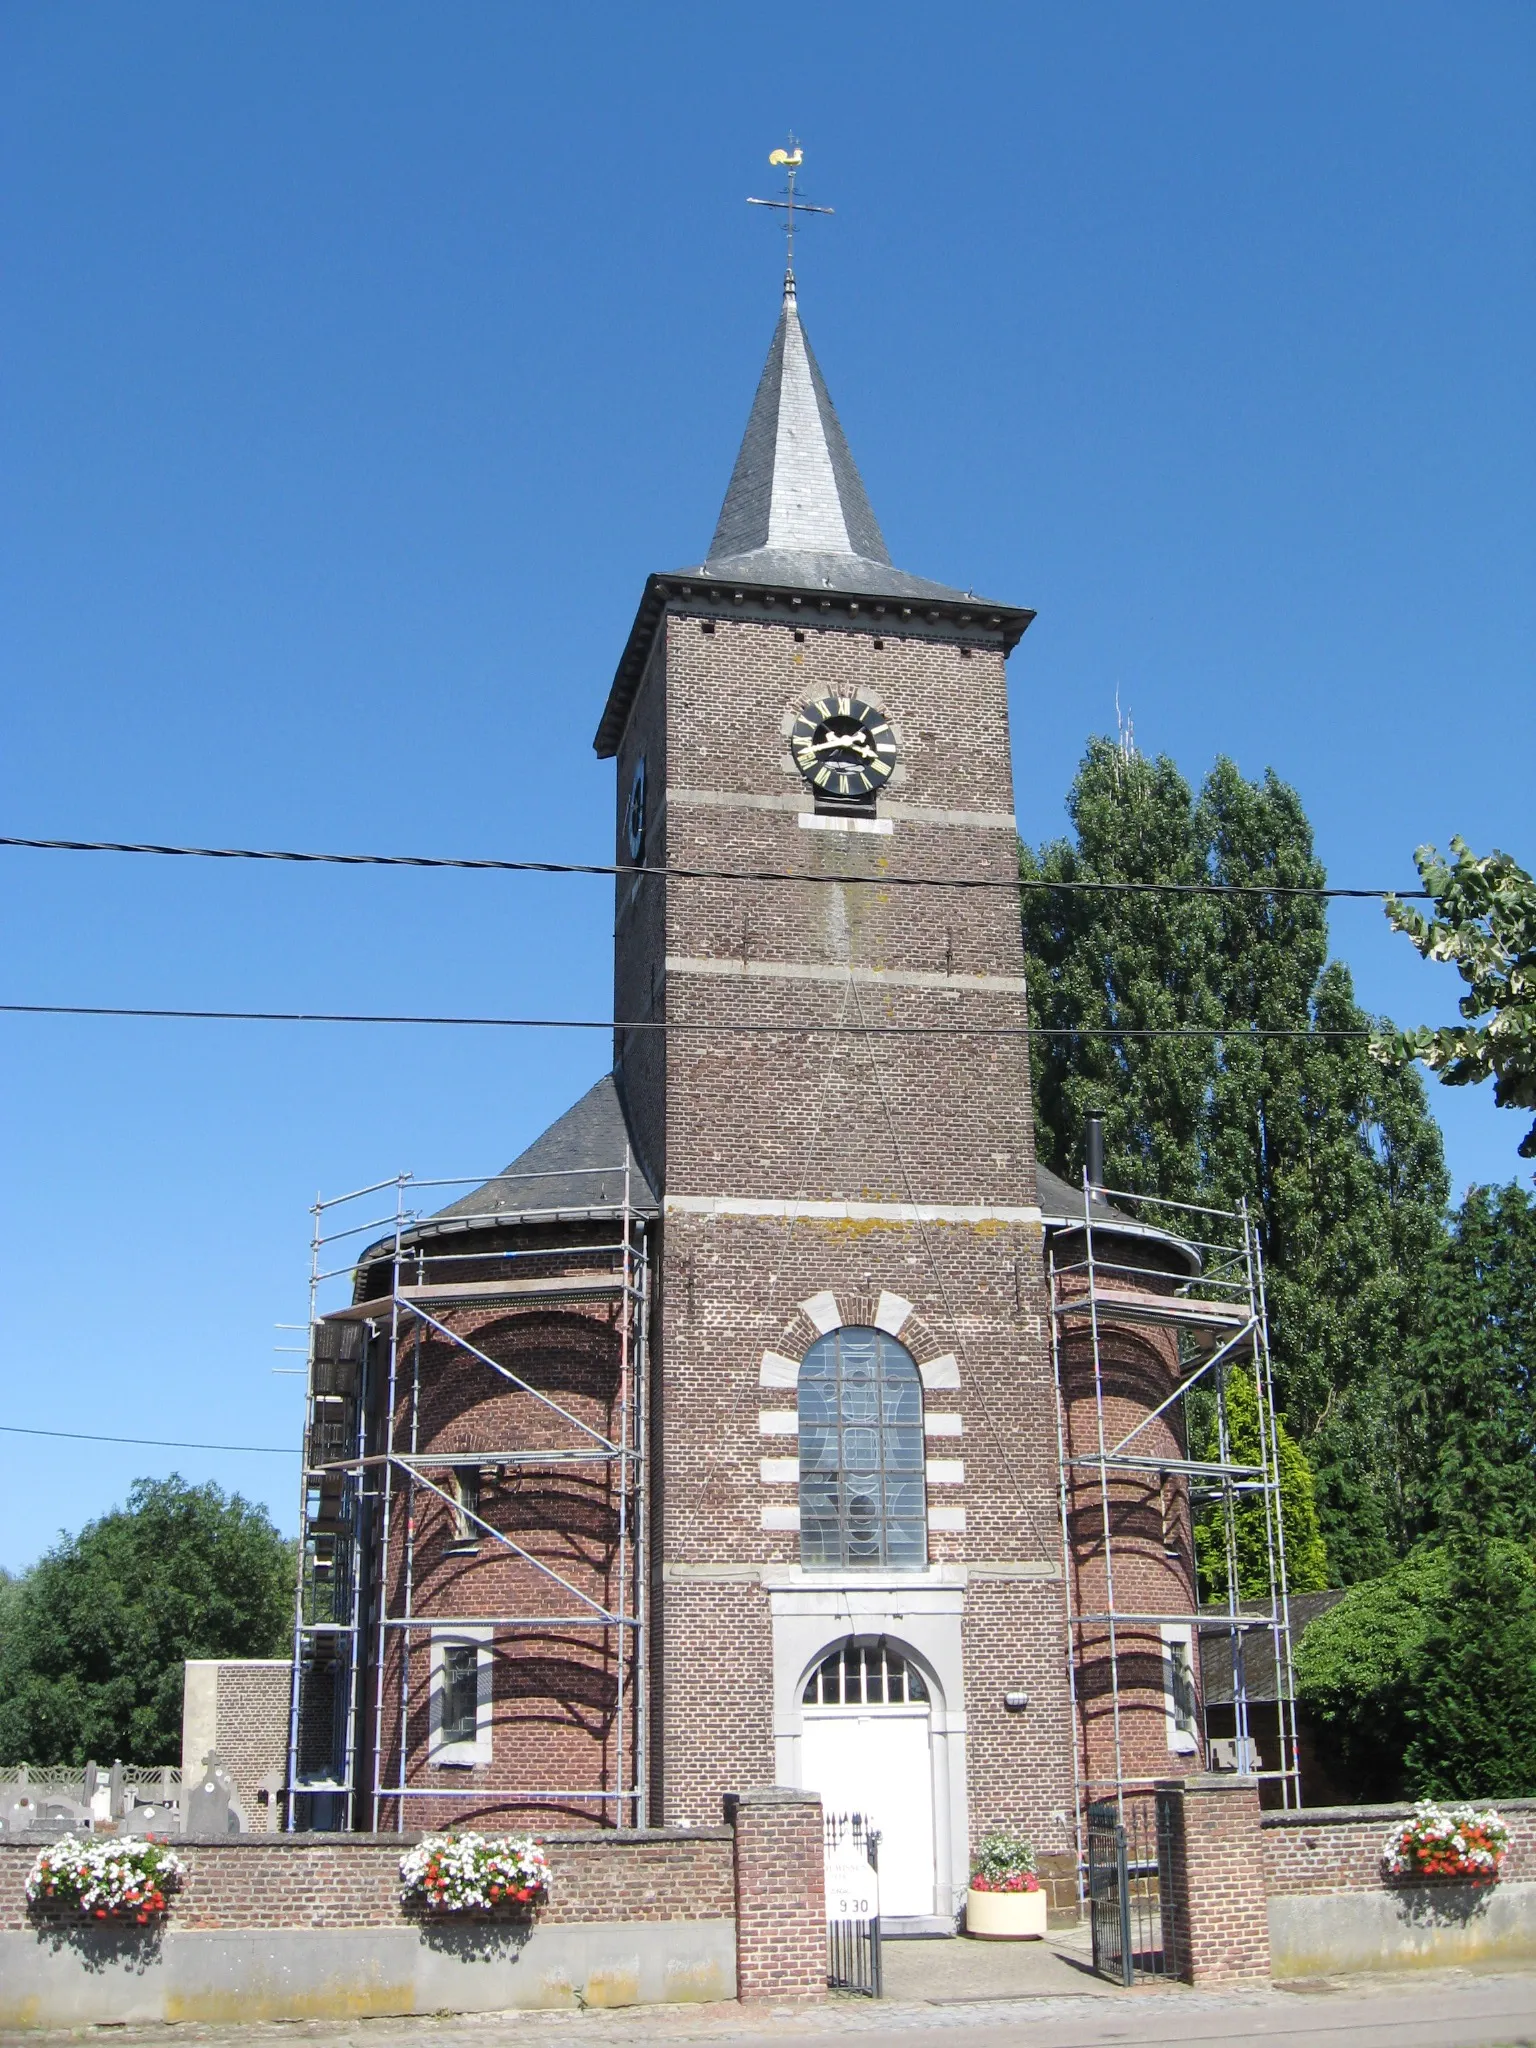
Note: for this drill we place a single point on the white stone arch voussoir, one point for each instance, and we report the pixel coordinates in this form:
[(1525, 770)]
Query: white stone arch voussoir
[(820, 1313)]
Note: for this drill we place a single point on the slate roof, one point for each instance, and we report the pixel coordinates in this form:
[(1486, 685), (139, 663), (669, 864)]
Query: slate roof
[(796, 518), (591, 1134), (1061, 1205), (1259, 1675), (796, 514)]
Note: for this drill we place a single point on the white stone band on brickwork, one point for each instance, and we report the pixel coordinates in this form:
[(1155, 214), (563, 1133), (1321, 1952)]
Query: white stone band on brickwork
[(790, 1209), (945, 1471), (947, 1521), (867, 977), (943, 1425)]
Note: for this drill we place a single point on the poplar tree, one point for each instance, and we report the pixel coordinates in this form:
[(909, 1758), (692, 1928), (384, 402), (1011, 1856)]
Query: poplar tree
[(1469, 1383), (1335, 1154)]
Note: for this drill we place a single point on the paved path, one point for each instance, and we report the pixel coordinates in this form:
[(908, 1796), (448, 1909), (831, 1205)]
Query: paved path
[(1444, 2009)]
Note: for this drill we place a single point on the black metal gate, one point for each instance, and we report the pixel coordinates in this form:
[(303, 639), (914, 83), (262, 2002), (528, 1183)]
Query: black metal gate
[(1130, 1894), (853, 1942)]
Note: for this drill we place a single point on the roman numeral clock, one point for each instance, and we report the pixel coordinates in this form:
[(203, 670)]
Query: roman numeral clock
[(844, 748)]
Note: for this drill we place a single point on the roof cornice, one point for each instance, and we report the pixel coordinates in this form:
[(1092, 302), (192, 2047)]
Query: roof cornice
[(697, 594)]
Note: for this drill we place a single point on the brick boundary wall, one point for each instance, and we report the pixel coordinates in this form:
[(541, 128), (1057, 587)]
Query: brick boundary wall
[(1218, 1929), (333, 1882), (1338, 1848), (781, 1930)]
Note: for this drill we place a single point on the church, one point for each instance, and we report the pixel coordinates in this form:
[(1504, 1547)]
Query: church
[(750, 1429)]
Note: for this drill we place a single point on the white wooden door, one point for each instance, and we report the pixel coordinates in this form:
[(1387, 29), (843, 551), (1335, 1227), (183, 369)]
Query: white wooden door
[(879, 1764)]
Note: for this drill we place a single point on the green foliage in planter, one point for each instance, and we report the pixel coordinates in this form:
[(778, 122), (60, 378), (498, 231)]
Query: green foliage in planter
[(1002, 1854)]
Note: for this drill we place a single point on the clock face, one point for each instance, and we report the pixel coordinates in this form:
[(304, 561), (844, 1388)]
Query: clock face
[(843, 747), (634, 813)]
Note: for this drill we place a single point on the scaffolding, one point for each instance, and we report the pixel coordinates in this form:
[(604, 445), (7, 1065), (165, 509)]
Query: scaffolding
[(1218, 1320), (366, 1474)]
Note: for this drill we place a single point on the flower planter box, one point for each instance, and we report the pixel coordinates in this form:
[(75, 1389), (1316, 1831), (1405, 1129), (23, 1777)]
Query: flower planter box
[(1005, 1916)]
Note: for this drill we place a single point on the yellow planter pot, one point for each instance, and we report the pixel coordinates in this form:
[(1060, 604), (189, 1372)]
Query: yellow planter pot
[(1005, 1916)]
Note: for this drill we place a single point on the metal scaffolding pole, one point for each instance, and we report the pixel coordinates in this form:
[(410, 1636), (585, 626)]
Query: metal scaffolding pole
[(1218, 1316), (364, 1492)]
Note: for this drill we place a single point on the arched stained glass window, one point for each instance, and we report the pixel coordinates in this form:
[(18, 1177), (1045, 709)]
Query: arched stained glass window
[(861, 1453)]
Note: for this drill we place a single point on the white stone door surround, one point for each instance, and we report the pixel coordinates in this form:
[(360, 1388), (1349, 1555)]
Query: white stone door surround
[(920, 1616)]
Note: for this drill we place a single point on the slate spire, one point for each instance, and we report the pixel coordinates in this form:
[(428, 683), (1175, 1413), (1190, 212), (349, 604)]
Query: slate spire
[(796, 511)]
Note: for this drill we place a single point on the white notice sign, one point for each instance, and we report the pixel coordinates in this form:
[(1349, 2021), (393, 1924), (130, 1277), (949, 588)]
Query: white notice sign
[(853, 1888)]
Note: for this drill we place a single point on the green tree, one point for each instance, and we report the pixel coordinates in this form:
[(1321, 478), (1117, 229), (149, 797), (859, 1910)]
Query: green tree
[(1422, 1683), (96, 1633), (1306, 1558), (1336, 1155), (1355, 1672), (1484, 920), (1469, 1384), (1471, 1701)]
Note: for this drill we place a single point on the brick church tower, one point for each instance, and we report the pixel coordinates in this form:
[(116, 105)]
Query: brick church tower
[(855, 1470), (717, 1443)]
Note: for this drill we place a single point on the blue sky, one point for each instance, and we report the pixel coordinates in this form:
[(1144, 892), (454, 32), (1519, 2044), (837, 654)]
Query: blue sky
[(360, 360)]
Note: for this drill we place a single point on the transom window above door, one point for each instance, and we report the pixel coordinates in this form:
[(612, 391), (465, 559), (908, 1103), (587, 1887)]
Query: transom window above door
[(862, 1499), (865, 1675)]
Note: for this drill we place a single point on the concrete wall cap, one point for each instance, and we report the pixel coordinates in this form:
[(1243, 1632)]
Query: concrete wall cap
[(1209, 1781), (1344, 1816)]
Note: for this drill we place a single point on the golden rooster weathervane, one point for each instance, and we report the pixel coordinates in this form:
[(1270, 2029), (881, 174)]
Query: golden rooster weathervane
[(790, 204)]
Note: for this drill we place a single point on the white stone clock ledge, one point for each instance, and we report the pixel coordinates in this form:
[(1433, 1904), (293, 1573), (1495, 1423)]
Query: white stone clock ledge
[(866, 977), (904, 814)]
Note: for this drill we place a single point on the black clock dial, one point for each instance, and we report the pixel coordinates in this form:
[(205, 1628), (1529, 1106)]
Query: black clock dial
[(634, 813), (843, 747)]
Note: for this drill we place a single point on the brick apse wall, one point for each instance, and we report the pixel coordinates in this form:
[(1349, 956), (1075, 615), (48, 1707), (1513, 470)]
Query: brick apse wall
[(554, 1694), (307, 1926)]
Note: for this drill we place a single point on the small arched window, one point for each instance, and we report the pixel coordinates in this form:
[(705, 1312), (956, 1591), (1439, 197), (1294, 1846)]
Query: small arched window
[(861, 1453), (865, 1675)]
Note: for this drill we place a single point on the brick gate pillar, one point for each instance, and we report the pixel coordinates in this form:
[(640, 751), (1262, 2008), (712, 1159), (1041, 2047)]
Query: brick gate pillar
[(1219, 1931), (781, 1915)]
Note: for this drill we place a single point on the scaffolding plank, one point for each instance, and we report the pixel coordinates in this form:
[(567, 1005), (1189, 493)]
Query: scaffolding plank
[(1138, 1305), (1193, 1467), (560, 1287)]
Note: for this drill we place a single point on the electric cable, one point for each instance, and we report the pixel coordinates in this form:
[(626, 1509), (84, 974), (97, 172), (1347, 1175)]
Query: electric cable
[(693, 874), (158, 1443), (1112, 1031)]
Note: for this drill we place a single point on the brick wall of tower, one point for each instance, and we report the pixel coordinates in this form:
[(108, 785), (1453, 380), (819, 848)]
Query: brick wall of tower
[(640, 943), (941, 1120)]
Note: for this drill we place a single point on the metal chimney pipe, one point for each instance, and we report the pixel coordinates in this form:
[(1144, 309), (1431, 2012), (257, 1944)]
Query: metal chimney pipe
[(1093, 1150)]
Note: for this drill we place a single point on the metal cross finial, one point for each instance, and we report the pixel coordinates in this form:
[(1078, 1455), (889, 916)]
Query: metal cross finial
[(790, 204)]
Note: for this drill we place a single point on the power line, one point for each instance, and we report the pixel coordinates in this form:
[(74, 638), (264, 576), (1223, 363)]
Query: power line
[(691, 874), (1201, 1031), (155, 1443)]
